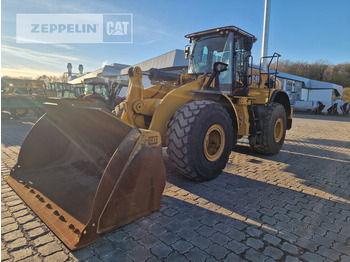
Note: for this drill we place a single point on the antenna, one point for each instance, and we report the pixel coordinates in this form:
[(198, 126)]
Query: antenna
[(265, 41)]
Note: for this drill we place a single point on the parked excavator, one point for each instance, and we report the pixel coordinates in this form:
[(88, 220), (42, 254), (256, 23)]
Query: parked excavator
[(85, 171)]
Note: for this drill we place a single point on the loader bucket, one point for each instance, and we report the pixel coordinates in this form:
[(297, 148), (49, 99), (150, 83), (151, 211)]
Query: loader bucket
[(84, 172)]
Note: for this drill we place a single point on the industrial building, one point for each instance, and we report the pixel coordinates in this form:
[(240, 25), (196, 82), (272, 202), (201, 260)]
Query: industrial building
[(108, 73), (304, 93), (172, 61)]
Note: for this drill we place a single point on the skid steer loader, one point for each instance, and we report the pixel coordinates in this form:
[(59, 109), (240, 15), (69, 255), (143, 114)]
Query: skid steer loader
[(85, 171)]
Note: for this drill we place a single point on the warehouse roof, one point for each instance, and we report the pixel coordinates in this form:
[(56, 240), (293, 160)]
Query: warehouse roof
[(314, 84), (173, 58), (107, 70)]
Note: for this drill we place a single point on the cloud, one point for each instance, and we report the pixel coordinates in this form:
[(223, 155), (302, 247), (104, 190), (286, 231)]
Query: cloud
[(26, 72), (104, 63), (67, 47), (37, 56), (61, 7), (77, 6), (13, 39), (150, 42)]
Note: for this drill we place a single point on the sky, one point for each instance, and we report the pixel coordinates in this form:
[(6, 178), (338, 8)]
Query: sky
[(300, 30)]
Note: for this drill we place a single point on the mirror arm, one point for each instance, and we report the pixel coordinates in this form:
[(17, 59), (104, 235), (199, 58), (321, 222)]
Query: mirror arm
[(211, 78)]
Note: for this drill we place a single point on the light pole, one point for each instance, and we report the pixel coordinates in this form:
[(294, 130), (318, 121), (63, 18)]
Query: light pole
[(265, 40)]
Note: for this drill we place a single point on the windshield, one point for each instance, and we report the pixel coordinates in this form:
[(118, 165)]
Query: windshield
[(99, 89), (207, 50)]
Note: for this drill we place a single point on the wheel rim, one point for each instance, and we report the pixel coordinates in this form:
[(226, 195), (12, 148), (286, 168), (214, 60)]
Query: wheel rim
[(20, 111), (278, 131), (214, 142)]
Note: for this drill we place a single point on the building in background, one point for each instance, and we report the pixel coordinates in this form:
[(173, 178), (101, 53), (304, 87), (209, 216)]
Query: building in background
[(300, 88), (304, 93), (173, 61), (108, 74)]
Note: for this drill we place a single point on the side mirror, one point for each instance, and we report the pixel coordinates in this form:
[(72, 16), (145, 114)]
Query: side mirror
[(187, 51), (248, 43), (219, 67)]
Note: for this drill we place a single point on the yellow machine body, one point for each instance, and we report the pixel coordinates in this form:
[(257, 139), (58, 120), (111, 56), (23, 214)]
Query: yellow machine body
[(160, 102)]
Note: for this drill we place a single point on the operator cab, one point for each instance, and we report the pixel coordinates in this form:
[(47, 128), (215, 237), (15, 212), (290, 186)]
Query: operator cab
[(229, 45), (97, 88)]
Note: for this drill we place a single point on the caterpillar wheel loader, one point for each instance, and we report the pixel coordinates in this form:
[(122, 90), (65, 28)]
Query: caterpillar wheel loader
[(223, 97), (85, 171)]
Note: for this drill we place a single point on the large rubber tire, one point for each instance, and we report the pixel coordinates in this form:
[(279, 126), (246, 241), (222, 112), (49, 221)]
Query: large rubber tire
[(200, 139), (274, 124)]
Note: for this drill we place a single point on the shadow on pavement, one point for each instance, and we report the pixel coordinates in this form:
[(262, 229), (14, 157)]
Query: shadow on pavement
[(324, 142), (250, 206), (326, 170)]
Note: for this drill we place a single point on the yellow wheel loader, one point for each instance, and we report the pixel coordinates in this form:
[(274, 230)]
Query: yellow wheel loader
[(85, 171), (223, 97)]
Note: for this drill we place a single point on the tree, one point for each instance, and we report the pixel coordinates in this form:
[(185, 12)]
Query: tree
[(320, 70)]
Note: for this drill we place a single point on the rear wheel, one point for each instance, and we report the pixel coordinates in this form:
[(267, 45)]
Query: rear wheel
[(200, 139), (274, 125)]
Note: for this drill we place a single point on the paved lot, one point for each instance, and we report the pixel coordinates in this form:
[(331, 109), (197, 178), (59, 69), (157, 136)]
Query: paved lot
[(290, 207)]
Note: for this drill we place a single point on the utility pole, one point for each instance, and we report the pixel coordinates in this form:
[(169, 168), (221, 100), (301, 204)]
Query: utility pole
[(265, 40)]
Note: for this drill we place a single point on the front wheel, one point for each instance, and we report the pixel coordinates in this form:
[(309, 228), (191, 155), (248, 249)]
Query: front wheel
[(200, 139), (274, 124)]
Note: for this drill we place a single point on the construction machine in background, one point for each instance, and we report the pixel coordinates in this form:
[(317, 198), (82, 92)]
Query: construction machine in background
[(84, 171), (101, 93), (63, 90), (19, 96)]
